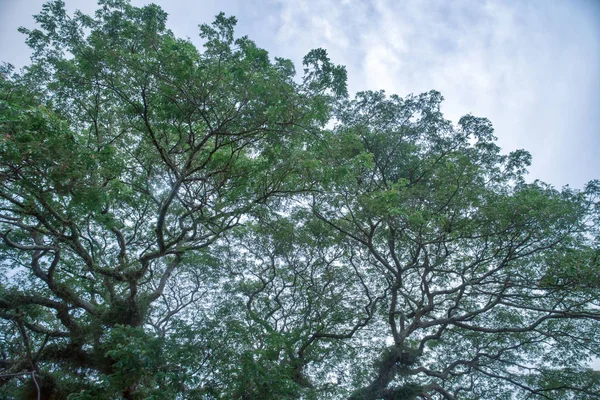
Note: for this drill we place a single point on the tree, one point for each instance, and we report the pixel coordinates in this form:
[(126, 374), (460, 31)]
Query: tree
[(181, 224), (125, 154), (491, 284)]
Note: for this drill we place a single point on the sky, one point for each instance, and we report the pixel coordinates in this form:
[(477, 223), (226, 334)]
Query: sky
[(531, 66)]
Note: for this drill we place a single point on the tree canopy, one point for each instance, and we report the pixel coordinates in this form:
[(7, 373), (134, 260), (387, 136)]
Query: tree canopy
[(179, 223)]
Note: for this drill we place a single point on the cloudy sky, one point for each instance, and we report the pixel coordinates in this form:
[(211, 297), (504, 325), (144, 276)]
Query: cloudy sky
[(531, 66)]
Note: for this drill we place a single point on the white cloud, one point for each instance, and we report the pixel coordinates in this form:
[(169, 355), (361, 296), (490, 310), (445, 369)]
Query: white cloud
[(529, 67)]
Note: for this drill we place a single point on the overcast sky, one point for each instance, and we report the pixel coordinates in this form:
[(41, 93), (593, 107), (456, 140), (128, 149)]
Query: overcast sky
[(531, 67)]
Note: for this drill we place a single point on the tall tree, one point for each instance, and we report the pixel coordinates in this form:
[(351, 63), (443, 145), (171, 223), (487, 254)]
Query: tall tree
[(178, 223), (492, 283), (125, 154)]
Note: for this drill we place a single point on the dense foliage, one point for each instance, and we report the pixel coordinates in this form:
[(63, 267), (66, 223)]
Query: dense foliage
[(191, 224)]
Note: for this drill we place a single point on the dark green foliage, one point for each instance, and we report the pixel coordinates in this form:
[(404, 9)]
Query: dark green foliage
[(178, 223)]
